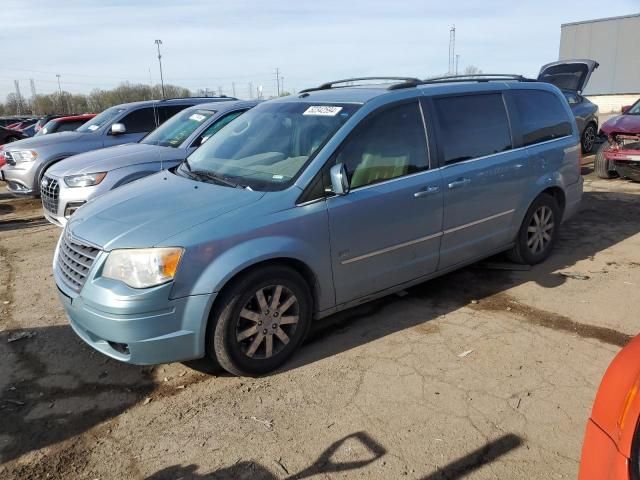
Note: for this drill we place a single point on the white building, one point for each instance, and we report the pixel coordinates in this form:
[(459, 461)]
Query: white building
[(614, 43)]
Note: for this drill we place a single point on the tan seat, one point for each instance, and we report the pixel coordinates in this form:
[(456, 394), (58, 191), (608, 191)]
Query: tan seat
[(376, 168)]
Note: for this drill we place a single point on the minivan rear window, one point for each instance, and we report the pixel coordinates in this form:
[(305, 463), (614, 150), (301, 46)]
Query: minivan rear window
[(472, 126), (542, 116)]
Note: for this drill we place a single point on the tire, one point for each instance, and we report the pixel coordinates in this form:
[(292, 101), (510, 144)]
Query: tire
[(601, 164), (588, 138), (243, 326), (527, 249)]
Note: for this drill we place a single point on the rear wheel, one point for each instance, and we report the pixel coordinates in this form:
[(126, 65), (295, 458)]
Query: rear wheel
[(538, 232), (588, 138), (601, 165), (260, 321)]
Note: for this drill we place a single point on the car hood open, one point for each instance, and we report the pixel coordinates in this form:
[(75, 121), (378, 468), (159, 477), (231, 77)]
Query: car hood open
[(111, 158), (144, 213), (570, 75)]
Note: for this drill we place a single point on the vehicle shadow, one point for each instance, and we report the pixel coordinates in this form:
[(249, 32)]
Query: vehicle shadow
[(53, 387), (606, 218), (325, 464)]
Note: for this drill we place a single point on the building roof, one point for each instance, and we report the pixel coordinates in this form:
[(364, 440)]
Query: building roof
[(606, 19)]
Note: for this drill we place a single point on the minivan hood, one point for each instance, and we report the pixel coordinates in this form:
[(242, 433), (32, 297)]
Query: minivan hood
[(111, 158), (146, 212), (622, 124), (571, 75), (45, 140)]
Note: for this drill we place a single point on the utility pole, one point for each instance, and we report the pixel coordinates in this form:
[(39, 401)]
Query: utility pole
[(18, 97), (34, 97), (158, 43), (60, 94), (457, 60), (452, 48), (278, 80), (282, 83)]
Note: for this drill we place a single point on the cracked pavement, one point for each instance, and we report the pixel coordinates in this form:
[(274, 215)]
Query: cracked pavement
[(484, 373)]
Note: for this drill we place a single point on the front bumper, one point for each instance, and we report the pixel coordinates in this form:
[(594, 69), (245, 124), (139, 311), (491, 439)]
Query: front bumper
[(20, 178), (137, 326), (626, 162), (60, 206)]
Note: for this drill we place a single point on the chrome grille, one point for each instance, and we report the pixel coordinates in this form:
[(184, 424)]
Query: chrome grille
[(74, 261), (50, 191)]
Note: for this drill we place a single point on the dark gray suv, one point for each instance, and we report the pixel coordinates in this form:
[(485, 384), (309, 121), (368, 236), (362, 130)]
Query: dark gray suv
[(27, 160)]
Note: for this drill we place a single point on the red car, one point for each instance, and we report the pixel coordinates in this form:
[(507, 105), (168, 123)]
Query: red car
[(619, 155), (65, 124), (611, 449)]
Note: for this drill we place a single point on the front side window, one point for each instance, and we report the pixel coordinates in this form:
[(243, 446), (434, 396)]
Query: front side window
[(178, 128), (140, 121), (267, 147), (542, 116), (386, 145), (635, 109), (101, 119), (472, 126)]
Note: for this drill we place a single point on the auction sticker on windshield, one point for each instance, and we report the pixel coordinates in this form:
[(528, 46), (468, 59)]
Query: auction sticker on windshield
[(197, 117), (322, 110)]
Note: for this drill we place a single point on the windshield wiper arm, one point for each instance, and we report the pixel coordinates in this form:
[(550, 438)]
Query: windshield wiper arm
[(215, 177)]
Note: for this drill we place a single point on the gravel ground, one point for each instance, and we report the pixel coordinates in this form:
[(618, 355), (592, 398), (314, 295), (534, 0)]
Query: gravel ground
[(484, 373)]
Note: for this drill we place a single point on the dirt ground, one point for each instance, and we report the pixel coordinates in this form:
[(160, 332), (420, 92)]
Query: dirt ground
[(485, 373)]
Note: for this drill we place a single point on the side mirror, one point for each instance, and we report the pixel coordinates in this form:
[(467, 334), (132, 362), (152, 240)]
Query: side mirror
[(118, 129), (626, 108), (339, 180)]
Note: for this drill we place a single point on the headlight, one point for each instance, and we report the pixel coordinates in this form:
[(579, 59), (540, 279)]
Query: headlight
[(24, 155), (143, 268), (85, 179)]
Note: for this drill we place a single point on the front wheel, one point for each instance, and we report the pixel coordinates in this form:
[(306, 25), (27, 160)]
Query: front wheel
[(260, 321), (601, 165), (538, 232)]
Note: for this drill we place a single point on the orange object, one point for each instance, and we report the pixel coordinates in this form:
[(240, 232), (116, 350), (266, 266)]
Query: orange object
[(609, 451)]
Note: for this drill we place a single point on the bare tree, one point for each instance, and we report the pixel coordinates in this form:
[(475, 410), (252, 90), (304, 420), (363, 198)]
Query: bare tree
[(472, 70)]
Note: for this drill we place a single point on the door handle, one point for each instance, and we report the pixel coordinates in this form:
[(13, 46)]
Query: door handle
[(460, 182), (429, 190)]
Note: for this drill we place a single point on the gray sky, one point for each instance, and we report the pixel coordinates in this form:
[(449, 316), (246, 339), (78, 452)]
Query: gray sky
[(214, 43)]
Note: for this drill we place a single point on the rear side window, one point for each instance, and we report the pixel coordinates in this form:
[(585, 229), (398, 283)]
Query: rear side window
[(386, 145), (140, 121), (69, 126), (165, 113), (542, 116), (472, 126)]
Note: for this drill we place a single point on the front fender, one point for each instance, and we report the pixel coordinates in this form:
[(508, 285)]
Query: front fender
[(234, 260)]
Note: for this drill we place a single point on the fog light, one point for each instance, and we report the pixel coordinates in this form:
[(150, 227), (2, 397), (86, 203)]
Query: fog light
[(120, 347), (71, 208)]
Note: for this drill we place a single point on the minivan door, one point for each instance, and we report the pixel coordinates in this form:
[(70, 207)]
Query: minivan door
[(484, 179), (386, 230)]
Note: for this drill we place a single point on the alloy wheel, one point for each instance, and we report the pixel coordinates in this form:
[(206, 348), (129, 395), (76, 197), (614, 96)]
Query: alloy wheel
[(540, 229), (267, 322), (588, 138)]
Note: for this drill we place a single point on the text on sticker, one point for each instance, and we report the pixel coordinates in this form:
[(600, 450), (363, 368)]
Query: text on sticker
[(322, 110), (197, 117)]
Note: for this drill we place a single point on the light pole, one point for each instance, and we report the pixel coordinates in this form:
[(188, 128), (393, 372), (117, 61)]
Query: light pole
[(158, 43)]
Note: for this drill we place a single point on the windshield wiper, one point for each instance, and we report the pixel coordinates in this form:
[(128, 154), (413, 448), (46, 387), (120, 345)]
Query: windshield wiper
[(216, 178)]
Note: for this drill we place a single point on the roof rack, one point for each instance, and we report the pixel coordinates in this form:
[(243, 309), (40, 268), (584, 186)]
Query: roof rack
[(404, 82), (198, 97), (477, 77)]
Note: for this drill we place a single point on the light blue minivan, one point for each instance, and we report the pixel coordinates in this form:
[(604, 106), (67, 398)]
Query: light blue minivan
[(313, 203)]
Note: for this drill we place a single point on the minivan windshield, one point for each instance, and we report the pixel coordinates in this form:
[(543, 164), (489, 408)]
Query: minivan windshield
[(101, 119), (267, 147), (178, 128)]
